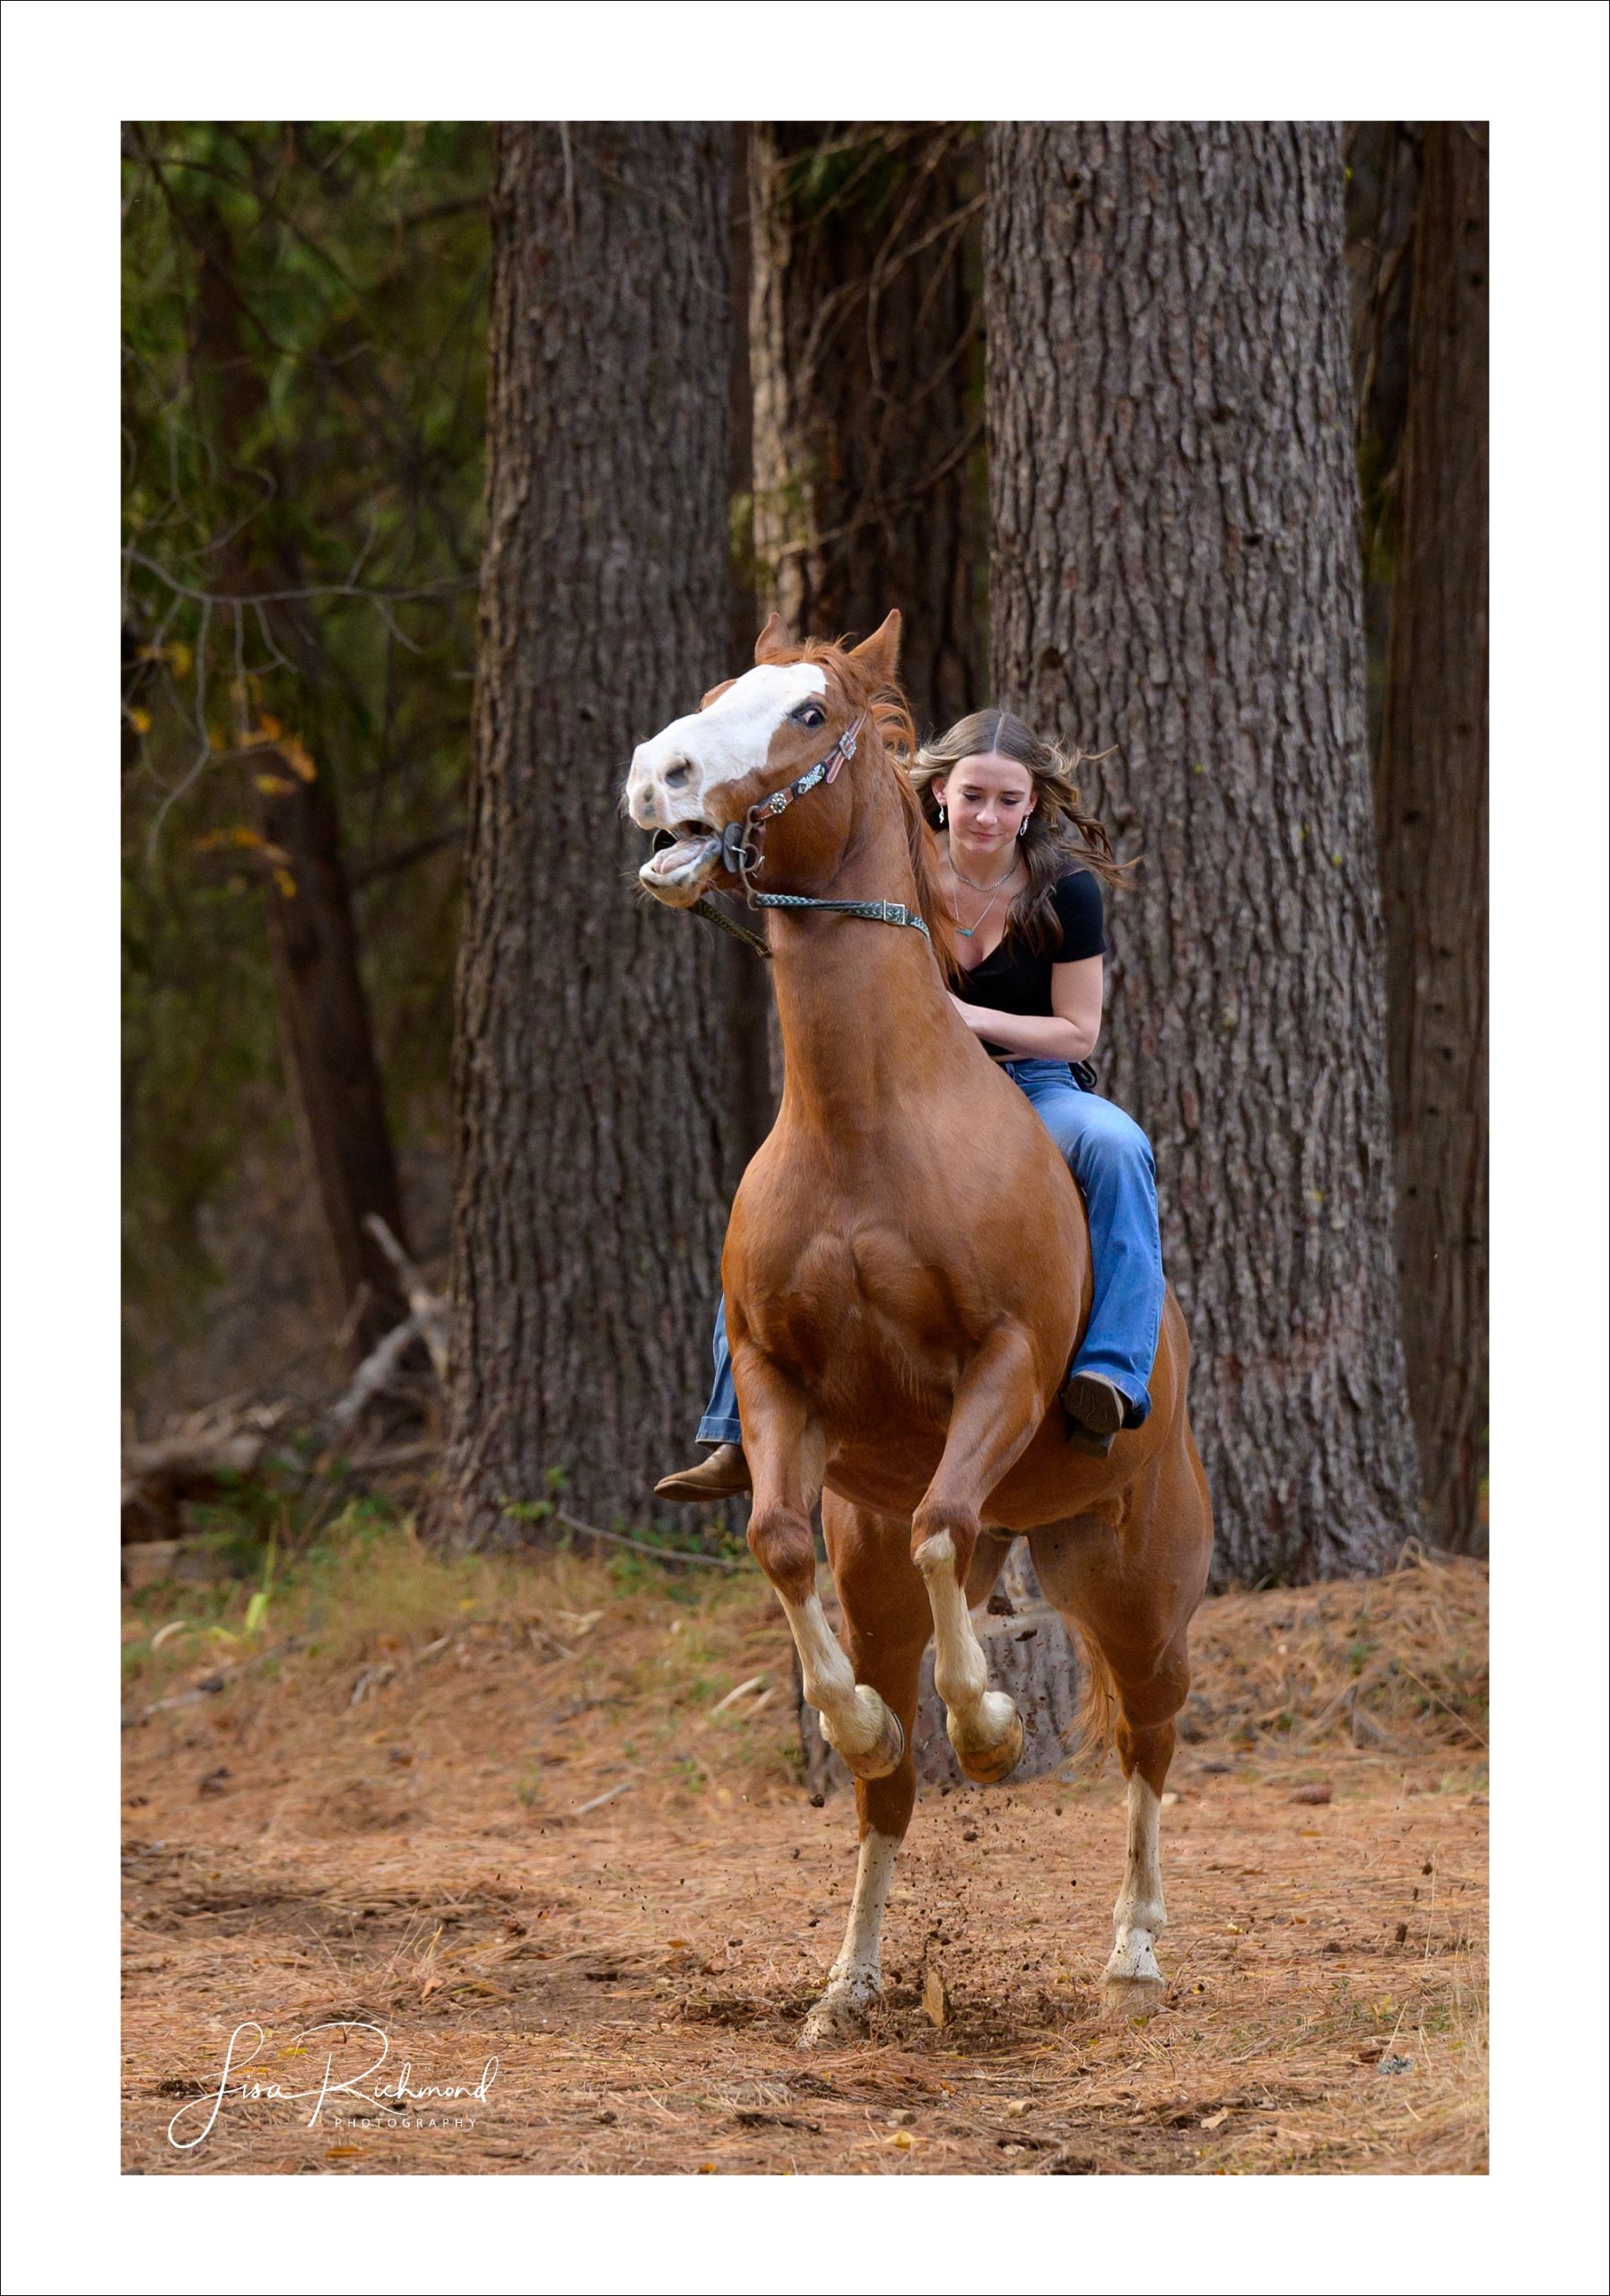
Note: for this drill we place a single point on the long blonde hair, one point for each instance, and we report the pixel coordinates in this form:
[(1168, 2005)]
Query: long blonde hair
[(1059, 837)]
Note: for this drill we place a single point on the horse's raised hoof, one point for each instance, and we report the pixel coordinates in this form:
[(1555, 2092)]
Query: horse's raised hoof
[(989, 1754), (843, 2014), (879, 1746)]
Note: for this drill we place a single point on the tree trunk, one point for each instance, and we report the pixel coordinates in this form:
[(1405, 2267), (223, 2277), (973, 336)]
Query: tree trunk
[(332, 1074), (328, 1049), (1175, 578), (1432, 815), (1383, 181), (867, 351), (594, 1063), (749, 990)]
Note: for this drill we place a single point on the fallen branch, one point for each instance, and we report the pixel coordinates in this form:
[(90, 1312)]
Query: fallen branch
[(427, 1309), (642, 1546), (374, 1375), (599, 1800), (201, 1460)]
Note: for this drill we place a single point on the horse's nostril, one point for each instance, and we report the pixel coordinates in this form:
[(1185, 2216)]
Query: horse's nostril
[(677, 778)]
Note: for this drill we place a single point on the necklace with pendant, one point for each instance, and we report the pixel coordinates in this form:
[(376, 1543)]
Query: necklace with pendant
[(968, 931)]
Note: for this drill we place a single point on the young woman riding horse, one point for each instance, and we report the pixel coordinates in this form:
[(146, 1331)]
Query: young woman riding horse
[(1021, 874), (907, 1274)]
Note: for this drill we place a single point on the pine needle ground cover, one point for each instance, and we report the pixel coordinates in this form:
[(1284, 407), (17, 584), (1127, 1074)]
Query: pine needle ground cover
[(550, 1813)]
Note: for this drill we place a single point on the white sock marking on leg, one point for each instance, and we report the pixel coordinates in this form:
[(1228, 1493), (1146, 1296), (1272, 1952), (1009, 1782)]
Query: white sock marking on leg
[(1138, 1919), (852, 1716), (960, 1675), (863, 1937)]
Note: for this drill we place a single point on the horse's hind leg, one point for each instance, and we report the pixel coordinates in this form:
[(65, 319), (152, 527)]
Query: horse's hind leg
[(1131, 1983), (886, 1625), (1130, 1591)]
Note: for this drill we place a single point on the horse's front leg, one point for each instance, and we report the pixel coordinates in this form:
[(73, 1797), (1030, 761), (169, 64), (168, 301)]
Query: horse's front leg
[(787, 1451), (996, 1411)]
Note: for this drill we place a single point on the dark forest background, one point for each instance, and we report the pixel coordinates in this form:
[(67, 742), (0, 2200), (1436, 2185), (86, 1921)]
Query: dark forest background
[(457, 459)]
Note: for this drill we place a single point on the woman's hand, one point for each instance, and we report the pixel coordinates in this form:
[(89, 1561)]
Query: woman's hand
[(972, 1014)]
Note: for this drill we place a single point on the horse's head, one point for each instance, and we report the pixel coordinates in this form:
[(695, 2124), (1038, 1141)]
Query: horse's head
[(749, 740)]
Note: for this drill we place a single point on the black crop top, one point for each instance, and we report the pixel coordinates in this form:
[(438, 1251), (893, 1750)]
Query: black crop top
[(1012, 979)]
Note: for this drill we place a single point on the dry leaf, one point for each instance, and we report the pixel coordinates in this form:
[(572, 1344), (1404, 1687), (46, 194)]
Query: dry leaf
[(936, 2000), (1317, 1794), (1215, 2120)]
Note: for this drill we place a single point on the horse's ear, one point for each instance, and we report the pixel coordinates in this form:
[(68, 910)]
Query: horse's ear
[(879, 655), (717, 691), (773, 640)]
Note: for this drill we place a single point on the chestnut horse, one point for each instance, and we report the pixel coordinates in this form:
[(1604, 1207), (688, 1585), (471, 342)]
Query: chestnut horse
[(907, 1272)]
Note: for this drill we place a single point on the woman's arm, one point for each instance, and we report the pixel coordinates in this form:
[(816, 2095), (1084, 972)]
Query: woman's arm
[(1067, 1032)]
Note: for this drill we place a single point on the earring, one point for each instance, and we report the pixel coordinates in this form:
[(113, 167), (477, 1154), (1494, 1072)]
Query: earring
[(941, 816), (1022, 827)]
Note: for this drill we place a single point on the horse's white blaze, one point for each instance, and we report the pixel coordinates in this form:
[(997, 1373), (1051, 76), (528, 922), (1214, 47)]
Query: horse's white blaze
[(1138, 1919), (857, 1963), (712, 747), (853, 1715)]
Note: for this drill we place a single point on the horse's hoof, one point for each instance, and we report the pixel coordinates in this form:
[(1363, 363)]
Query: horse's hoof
[(987, 1757), (1129, 2000), (842, 2016), (1131, 1983), (886, 1749)]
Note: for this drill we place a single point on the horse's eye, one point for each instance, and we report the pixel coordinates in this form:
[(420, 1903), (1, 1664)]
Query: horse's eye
[(809, 713)]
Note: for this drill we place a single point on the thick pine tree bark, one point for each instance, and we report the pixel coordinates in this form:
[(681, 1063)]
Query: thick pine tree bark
[(1432, 811), (594, 1063), (865, 347), (1175, 578)]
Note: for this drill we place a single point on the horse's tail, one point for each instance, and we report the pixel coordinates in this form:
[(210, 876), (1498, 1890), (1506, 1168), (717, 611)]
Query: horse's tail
[(1094, 1727)]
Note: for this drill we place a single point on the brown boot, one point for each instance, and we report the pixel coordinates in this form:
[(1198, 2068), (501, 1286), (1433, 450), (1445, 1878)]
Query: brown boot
[(1095, 1413), (722, 1475)]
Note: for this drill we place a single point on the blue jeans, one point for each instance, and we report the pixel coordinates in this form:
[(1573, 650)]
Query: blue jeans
[(1110, 1158)]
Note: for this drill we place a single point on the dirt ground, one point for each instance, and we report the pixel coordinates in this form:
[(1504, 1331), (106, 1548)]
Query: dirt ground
[(515, 1813)]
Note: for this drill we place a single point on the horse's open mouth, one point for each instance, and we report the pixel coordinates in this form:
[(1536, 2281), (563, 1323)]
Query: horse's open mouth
[(681, 859)]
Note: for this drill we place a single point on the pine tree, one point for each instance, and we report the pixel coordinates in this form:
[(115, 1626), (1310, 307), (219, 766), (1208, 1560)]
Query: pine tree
[(1175, 581)]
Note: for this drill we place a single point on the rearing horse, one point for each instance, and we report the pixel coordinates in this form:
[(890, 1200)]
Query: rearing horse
[(906, 1274)]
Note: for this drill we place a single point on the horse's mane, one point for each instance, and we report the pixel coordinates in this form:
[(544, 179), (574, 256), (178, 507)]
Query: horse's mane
[(890, 715)]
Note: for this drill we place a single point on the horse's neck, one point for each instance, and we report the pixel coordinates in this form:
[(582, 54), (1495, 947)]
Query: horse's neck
[(861, 1011)]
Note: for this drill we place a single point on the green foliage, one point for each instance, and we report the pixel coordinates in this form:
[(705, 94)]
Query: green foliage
[(304, 325)]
